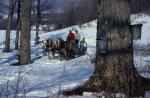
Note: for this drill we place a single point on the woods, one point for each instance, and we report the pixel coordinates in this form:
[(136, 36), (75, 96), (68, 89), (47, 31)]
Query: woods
[(9, 21), (23, 24), (114, 71)]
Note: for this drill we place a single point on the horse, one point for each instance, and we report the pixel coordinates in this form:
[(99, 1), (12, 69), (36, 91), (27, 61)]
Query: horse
[(63, 48), (49, 46), (68, 48)]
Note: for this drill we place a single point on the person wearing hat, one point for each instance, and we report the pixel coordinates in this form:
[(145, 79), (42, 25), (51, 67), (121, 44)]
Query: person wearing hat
[(70, 36), (77, 37), (83, 46)]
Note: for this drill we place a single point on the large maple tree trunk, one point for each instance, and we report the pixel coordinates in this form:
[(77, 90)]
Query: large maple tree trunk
[(25, 32), (115, 71), (116, 68)]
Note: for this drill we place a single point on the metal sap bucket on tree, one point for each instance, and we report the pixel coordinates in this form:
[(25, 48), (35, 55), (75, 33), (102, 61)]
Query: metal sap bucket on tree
[(102, 45), (136, 31)]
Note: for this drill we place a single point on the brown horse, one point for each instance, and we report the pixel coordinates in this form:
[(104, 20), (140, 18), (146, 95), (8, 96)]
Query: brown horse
[(48, 44), (63, 48)]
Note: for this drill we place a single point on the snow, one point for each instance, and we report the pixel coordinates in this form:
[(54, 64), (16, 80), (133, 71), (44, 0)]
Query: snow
[(142, 61), (45, 77), (145, 37)]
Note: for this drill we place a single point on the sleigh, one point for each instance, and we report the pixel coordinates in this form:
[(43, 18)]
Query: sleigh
[(69, 51)]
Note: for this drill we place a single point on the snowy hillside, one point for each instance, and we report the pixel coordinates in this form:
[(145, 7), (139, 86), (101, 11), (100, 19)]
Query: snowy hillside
[(145, 37), (45, 77)]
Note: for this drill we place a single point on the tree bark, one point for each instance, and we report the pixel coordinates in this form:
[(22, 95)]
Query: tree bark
[(18, 25), (8, 27), (116, 67), (38, 17), (25, 32), (115, 71)]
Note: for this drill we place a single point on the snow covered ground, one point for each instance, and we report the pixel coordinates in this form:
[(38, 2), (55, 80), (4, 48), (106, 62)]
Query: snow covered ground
[(144, 42), (45, 77), (142, 60)]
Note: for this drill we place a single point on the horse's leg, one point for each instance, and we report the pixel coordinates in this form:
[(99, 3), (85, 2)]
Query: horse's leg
[(46, 50), (66, 54), (53, 52), (63, 54), (59, 53), (79, 53), (70, 54)]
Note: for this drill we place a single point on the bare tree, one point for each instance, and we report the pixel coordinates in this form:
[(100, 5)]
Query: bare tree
[(25, 32), (66, 10), (140, 6), (18, 25), (38, 17), (82, 12), (8, 27)]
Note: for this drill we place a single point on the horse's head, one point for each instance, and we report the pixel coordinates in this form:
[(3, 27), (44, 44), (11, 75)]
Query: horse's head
[(57, 43), (50, 42)]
